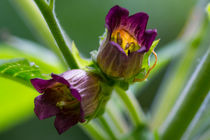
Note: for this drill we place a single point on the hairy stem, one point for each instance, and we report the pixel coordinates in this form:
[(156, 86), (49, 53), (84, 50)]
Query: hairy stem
[(49, 16)]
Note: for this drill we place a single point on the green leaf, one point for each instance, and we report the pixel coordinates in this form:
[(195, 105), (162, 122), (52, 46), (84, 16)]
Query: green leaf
[(80, 61), (201, 122), (16, 95), (178, 73), (19, 69), (189, 101)]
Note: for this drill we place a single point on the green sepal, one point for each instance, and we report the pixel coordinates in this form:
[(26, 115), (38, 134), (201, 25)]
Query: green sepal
[(102, 37), (146, 59), (141, 74), (123, 84), (94, 54), (145, 63)]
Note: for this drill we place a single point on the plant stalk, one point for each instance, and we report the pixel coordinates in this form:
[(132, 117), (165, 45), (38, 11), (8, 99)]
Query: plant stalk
[(136, 113), (52, 22), (189, 102)]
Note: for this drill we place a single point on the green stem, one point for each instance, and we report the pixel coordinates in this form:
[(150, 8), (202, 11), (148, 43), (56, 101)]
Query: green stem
[(33, 18), (189, 101), (94, 131), (49, 16), (107, 128), (177, 75), (116, 118), (136, 113)]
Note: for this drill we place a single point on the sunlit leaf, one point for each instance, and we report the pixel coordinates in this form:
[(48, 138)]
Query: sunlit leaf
[(19, 69), (16, 103)]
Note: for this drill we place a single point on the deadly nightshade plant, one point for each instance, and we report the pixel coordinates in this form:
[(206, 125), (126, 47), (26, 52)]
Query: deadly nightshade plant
[(127, 40), (72, 97), (79, 95)]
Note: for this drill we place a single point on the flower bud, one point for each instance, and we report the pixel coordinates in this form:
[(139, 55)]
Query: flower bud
[(121, 52), (72, 97)]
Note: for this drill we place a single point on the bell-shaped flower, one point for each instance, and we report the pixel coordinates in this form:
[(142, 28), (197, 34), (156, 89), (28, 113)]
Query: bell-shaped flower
[(121, 52), (72, 97)]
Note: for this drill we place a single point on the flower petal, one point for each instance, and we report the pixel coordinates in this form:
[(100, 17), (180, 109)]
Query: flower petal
[(136, 25), (114, 62), (60, 79), (148, 38), (44, 108), (64, 122), (41, 85), (115, 16), (76, 94)]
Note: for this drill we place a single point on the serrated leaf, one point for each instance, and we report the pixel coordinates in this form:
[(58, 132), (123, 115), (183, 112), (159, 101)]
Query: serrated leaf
[(19, 69), (81, 61), (146, 60)]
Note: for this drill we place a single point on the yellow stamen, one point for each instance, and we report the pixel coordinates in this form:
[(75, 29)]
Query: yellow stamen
[(140, 80), (125, 40)]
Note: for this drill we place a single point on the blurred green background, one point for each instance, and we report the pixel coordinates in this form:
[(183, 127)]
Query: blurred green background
[(83, 21)]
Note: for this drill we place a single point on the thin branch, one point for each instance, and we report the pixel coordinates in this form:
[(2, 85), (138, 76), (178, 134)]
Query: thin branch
[(56, 31)]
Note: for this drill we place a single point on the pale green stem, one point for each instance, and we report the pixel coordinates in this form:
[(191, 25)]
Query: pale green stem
[(136, 113), (189, 101), (177, 75), (107, 127), (196, 119), (49, 16), (33, 18), (116, 118), (94, 131)]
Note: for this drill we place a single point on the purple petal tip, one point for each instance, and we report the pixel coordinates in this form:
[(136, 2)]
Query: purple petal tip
[(40, 85)]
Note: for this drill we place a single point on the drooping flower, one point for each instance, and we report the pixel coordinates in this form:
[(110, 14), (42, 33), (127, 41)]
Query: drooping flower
[(71, 97), (121, 52)]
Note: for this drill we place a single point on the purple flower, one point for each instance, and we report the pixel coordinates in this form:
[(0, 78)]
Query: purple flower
[(71, 97), (121, 52)]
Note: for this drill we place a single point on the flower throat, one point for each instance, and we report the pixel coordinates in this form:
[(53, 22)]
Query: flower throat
[(127, 42)]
